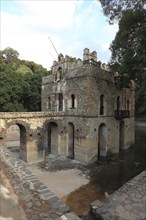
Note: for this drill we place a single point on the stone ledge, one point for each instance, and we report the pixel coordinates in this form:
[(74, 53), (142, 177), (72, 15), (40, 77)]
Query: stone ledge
[(127, 203), (69, 216)]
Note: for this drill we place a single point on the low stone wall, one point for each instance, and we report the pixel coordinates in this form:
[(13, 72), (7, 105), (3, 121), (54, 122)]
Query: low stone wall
[(127, 203)]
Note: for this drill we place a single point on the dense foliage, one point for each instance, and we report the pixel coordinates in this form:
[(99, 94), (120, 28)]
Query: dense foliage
[(129, 46), (129, 53), (115, 9), (20, 83)]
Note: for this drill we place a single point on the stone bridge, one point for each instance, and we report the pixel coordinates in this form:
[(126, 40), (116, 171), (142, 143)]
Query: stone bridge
[(40, 134), (79, 137)]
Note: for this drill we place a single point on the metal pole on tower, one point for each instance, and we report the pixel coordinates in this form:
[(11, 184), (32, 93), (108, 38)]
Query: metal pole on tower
[(53, 46)]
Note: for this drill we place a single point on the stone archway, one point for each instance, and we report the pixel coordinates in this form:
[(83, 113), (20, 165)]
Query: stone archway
[(102, 140), (52, 138), (121, 135), (70, 141), (20, 132)]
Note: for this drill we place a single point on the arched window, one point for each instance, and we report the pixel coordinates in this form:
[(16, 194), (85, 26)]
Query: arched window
[(72, 101), (60, 98), (59, 74), (49, 102), (118, 103), (101, 104), (128, 104)]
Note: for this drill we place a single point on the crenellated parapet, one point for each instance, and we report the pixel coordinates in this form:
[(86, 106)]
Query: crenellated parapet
[(66, 67)]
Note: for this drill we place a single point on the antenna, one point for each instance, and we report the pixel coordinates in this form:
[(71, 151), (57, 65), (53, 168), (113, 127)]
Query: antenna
[(51, 55), (53, 46)]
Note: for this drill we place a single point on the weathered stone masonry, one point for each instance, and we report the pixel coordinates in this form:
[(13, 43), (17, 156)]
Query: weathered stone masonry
[(84, 113)]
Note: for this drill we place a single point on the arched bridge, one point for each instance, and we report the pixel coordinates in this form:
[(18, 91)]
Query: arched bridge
[(40, 134)]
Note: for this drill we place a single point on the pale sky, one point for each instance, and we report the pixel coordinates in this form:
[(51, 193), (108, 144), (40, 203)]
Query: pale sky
[(72, 26)]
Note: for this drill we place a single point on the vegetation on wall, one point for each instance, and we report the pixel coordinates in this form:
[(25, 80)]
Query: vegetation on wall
[(129, 46), (20, 83)]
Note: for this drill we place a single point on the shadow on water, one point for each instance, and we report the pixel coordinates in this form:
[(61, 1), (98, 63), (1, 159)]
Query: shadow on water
[(117, 169)]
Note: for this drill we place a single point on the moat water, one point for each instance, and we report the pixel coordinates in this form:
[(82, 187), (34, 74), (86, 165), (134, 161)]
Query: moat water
[(116, 170)]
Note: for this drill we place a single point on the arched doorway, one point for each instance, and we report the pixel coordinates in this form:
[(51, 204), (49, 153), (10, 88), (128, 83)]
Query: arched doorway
[(102, 140), (121, 135), (52, 138), (70, 142), (16, 140)]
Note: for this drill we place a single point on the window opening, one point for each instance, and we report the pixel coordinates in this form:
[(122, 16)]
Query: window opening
[(101, 104), (60, 102), (128, 104), (72, 101), (118, 103), (49, 102), (59, 74)]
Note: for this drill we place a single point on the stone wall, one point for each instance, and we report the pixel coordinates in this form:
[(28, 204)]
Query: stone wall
[(128, 202)]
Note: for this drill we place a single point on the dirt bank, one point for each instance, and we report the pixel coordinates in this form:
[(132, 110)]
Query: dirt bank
[(10, 205), (79, 201)]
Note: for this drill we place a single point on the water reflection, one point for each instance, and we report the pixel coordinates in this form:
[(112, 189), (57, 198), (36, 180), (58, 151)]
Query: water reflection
[(116, 170)]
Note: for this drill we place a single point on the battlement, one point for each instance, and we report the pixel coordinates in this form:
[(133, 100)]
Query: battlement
[(89, 56), (67, 63)]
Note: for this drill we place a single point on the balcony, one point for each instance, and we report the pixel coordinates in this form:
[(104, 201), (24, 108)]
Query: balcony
[(120, 114)]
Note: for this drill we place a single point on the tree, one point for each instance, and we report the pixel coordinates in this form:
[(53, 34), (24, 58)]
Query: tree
[(20, 82), (129, 53), (129, 46), (10, 55), (12, 86), (141, 97), (32, 98), (115, 9)]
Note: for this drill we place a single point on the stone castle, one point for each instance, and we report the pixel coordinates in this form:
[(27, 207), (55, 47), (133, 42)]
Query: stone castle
[(98, 115), (86, 113)]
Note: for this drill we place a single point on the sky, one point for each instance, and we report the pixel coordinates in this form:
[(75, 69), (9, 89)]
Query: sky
[(72, 25)]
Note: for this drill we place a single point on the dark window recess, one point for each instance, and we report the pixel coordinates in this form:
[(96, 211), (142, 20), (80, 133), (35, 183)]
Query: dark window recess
[(118, 103), (49, 102), (60, 102), (72, 101), (101, 104), (128, 104)]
